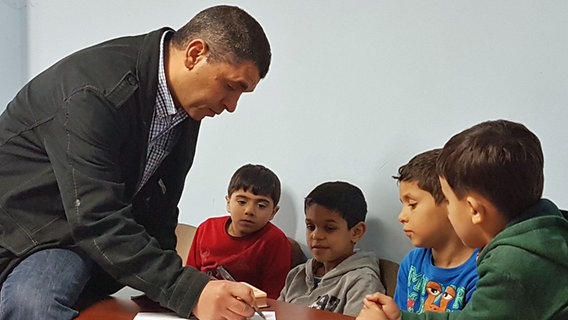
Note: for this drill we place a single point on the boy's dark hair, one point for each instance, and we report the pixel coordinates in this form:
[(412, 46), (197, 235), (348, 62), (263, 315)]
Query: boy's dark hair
[(231, 35), (257, 179), (422, 170), (343, 197), (500, 160)]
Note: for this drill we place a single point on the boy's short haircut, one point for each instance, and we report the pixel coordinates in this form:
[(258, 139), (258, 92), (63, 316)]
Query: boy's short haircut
[(500, 160), (257, 179), (342, 197), (422, 170)]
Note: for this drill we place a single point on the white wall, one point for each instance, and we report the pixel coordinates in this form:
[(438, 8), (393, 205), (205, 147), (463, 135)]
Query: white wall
[(354, 91), (13, 56)]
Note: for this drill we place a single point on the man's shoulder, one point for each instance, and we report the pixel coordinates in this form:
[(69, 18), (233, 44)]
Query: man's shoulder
[(118, 55), (136, 40)]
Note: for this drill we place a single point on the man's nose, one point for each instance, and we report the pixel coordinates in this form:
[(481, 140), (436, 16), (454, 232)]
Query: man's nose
[(231, 102)]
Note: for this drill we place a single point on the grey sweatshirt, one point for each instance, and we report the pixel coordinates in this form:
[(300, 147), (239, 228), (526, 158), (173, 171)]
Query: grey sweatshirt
[(340, 290)]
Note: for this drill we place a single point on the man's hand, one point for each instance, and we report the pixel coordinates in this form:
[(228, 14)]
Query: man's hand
[(379, 306), (221, 299)]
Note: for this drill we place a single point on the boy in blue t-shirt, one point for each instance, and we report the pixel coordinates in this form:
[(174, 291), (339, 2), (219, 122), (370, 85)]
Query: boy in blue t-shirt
[(492, 176), (440, 275)]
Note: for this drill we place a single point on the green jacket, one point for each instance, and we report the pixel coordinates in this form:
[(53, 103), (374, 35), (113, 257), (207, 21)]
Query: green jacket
[(523, 271), (72, 149)]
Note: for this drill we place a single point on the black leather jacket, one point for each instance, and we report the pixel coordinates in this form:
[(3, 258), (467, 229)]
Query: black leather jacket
[(72, 149)]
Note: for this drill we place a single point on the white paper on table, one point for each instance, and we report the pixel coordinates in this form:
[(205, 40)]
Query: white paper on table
[(156, 316), (270, 315)]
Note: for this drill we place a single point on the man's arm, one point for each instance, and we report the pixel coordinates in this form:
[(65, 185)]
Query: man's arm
[(85, 145)]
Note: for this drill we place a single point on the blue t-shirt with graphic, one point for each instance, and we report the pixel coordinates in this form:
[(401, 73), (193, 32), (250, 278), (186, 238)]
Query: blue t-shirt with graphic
[(423, 287)]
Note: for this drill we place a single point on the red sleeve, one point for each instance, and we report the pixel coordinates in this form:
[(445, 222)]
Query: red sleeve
[(278, 260), (194, 258)]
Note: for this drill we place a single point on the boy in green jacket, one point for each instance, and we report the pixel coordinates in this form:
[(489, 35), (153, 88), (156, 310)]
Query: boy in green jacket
[(492, 176)]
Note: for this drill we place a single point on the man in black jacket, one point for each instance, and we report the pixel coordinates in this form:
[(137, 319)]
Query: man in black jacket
[(94, 153)]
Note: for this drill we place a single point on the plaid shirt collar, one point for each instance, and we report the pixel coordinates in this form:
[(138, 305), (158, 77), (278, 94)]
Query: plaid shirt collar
[(164, 102)]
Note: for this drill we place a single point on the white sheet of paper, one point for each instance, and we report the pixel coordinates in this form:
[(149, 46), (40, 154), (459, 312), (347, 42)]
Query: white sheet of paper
[(270, 315), (155, 316)]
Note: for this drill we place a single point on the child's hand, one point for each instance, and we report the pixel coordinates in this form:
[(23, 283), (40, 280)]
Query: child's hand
[(371, 311), (379, 306)]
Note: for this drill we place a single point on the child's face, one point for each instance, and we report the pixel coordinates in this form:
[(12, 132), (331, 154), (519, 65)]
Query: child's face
[(327, 235), (459, 214), (424, 222), (249, 212)]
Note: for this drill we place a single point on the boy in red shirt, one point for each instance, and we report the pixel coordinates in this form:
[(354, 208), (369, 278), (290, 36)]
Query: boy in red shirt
[(246, 243)]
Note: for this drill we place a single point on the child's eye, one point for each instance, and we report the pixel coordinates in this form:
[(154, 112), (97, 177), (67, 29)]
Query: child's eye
[(241, 202), (330, 228), (262, 206), (412, 205), (310, 227)]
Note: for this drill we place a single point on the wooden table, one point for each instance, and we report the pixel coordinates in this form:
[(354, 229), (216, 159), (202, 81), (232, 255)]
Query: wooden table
[(126, 309)]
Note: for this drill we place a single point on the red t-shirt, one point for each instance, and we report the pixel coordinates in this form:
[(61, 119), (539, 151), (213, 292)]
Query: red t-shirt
[(261, 259)]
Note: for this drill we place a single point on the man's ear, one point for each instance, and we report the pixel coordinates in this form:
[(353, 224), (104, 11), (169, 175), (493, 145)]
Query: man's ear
[(195, 51), (357, 231)]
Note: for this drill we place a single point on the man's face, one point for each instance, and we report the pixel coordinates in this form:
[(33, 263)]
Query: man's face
[(207, 89)]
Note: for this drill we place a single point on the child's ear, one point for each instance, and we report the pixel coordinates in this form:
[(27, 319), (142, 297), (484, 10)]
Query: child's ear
[(276, 208), (478, 208), (485, 217), (357, 231), (228, 202)]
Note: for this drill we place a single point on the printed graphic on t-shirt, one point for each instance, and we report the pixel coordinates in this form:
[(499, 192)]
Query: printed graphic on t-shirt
[(326, 302), (427, 295)]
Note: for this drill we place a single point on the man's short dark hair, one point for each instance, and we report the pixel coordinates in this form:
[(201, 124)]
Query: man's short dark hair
[(500, 160), (342, 197), (422, 170), (257, 179), (231, 35)]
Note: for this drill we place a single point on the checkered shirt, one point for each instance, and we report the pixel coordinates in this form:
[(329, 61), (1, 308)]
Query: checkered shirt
[(163, 131)]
